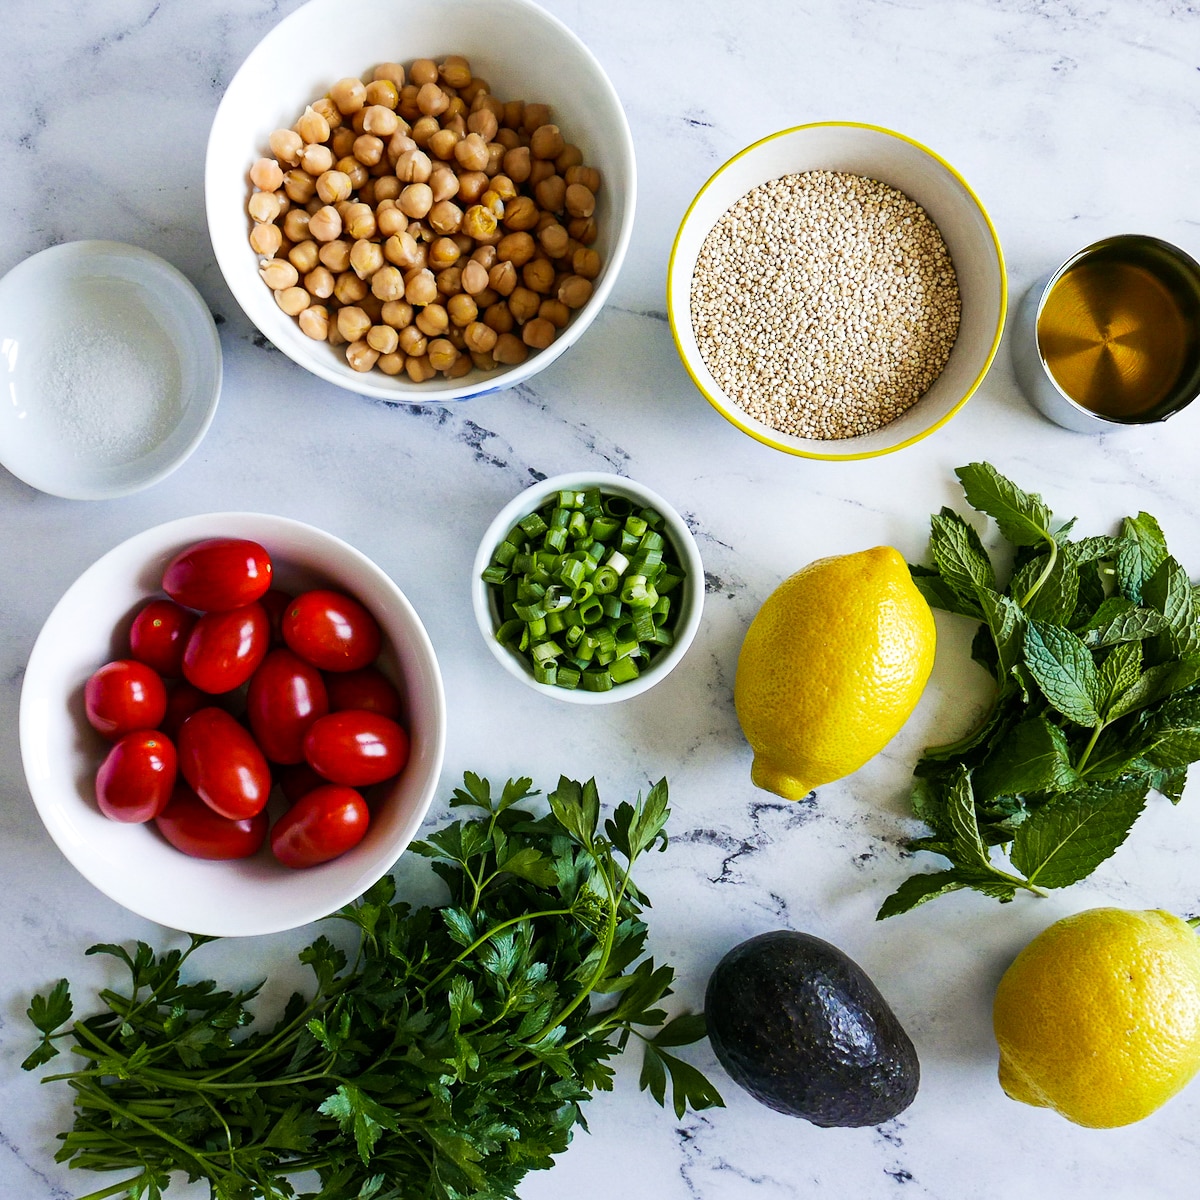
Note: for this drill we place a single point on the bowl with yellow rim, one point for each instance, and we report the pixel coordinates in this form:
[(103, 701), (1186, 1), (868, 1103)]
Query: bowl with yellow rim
[(804, 266)]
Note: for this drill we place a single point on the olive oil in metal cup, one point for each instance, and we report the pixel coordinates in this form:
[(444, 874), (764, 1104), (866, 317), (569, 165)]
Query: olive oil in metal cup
[(1112, 337)]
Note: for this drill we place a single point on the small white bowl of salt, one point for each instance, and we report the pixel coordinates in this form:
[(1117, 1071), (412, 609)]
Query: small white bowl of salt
[(111, 369)]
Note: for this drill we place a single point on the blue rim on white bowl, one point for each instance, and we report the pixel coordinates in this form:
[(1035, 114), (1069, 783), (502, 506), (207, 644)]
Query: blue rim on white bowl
[(691, 589), (113, 367)]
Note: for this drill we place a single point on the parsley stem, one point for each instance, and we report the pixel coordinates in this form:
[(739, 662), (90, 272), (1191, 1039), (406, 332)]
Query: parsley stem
[(116, 1189)]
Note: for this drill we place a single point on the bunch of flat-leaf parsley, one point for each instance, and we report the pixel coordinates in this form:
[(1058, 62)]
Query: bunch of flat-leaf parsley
[(1095, 649), (450, 1058)]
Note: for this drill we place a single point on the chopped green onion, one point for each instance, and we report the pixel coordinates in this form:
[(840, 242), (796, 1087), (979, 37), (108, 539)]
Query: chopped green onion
[(579, 585)]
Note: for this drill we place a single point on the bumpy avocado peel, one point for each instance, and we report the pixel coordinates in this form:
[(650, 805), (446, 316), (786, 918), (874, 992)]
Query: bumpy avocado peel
[(802, 1028)]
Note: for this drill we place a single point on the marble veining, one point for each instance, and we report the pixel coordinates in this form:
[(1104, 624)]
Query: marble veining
[(1071, 119)]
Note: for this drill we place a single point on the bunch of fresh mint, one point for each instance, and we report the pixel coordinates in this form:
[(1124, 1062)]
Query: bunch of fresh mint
[(1095, 650)]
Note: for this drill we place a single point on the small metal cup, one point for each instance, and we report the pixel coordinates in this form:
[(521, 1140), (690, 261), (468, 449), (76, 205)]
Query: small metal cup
[(1174, 269)]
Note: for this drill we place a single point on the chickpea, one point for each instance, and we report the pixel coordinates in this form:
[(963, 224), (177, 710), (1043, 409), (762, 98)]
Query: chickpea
[(387, 284), (471, 153), (455, 116), (551, 193), (327, 109), (359, 220), (554, 311), (387, 188), (538, 333), (380, 120), (445, 217), (538, 276), (383, 338), (407, 108), (412, 341), (287, 146), (431, 100), (523, 304), (266, 239), (304, 256), (333, 186), (579, 200), (503, 278), (588, 177), (349, 289), (418, 369), (433, 320), (312, 126), (401, 249), (295, 224), (299, 186), (348, 94), (476, 87), (514, 114), (335, 338), (521, 213), (368, 149), (443, 182), (265, 207), (353, 323), (319, 283), (336, 255), (390, 219), (415, 200), (420, 287), (293, 300), (422, 71), (510, 139), (366, 257), (585, 262), (316, 159), (474, 277), (325, 224), (455, 71), (449, 282), (399, 142), (583, 229), (554, 240), (361, 356), (396, 313), (496, 316), (516, 248), (266, 174), (546, 142), (424, 129), (571, 156), (391, 364), (314, 322), (441, 144), (413, 166), (442, 354), (443, 252), (278, 273), (479, 222), (462, 309), (575, 291), (486, 298), (391, 71), (535, 116), (472, 185), (354, 169), (479, 338), (509, 350)]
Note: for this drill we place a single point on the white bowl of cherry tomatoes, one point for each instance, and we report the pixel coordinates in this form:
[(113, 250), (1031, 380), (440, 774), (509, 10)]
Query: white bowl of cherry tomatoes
[(233, 724)]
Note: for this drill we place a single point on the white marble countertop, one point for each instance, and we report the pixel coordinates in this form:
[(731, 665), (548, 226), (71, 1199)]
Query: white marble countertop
[(1072, 120)]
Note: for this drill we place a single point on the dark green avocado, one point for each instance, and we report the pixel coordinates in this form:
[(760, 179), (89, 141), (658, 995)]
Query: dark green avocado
[(800, 1026)]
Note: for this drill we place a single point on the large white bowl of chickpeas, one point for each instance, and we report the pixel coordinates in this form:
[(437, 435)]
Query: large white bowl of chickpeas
[(420, 202)]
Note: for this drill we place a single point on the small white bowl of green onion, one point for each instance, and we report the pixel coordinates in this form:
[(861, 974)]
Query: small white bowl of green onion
[(588, 587)]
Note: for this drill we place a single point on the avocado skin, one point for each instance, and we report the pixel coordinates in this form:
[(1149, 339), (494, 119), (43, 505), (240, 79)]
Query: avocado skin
[(802, 1028)]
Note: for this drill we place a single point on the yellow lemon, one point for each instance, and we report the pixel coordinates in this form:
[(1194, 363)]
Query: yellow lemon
[(1098, 1017), (831, 667)]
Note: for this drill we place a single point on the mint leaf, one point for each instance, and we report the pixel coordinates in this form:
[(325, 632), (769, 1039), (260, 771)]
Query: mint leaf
[(917, 889), (1118, 619), (1067, 839), (939, 594), (1065, 671), (1174, 733), (1022, 517), (1119, 672), (1142, 549), (1032, 757), (959, 555), (1169, 591), (1006, 623)]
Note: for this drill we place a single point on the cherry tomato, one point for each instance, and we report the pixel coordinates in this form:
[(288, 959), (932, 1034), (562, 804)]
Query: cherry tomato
[(326, 822), (286, 696), (158, 635), (191, 826), (182, 700), (275, 603), (218, 574), (123, 696), (298, 779), (368, 688), (226, 647), (331, 630), (135, 780), (224, 765), (356, 747)]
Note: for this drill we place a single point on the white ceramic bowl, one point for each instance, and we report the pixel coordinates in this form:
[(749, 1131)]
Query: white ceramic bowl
[(133, 864), (691, 590), (112, 369), (920, 174), (521, 50)]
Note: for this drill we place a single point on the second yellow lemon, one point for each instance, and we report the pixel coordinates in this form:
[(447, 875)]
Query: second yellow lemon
[(831, 668)]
